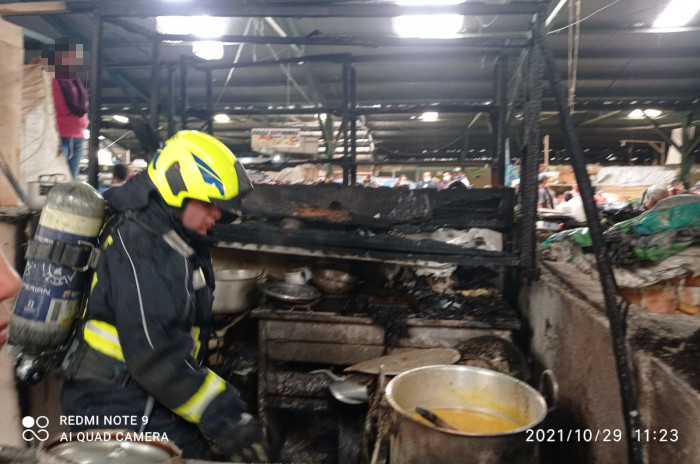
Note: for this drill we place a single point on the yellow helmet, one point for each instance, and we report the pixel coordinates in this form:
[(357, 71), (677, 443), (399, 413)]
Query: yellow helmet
[(196, 165)]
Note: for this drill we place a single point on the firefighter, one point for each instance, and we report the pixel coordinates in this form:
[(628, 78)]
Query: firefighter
[(148, 317)]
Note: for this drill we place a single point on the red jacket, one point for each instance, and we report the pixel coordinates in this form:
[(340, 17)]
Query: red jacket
[(69, 125)]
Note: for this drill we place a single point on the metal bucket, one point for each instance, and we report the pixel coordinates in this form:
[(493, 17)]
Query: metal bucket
[(467, 388)]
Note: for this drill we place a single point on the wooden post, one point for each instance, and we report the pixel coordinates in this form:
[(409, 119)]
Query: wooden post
[(546, 150)]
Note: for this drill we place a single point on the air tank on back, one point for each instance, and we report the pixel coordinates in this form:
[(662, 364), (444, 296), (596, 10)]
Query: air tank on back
[(52, 290)]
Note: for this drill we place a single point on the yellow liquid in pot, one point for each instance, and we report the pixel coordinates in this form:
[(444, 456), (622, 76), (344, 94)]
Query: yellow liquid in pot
[(473, 421)]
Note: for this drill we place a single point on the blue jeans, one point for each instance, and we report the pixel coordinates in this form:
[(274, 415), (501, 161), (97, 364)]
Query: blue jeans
[(73, 151)]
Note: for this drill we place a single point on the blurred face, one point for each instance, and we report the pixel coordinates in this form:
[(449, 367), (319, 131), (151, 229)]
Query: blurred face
[(427, 176), (199, 216), (65, 64), (10, 284)]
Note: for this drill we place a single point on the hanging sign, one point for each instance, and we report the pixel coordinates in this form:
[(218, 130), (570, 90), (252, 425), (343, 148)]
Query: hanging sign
[(274, 138)]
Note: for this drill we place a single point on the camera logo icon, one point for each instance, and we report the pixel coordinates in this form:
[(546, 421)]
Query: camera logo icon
[(41, 434)]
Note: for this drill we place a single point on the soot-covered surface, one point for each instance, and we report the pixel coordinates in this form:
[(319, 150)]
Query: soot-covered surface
[(683, 355)]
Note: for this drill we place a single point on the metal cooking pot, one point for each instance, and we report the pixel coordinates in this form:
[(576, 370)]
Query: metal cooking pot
[(462, 387), (236, 290), (333, 282), (108, 447), (38, 190)]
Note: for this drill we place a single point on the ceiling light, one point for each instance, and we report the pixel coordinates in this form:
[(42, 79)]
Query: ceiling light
[(221, 117), (200, 26), (208, 49), (677, 13), (173, 25), (208, 27), (120, 118), (639, 114), (428, 26), (430, 116)]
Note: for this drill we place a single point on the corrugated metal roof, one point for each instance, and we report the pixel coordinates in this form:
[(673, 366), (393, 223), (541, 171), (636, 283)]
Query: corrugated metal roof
[(621, 66)]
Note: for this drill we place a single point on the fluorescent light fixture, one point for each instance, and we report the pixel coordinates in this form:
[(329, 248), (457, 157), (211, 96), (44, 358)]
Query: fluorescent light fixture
[(428, 26), (120, 118), (208, 49), (678, 13), (86, 134), (430, 116), (207, 27), (201, 26), (221, 117), (639, 114), (173, 24)]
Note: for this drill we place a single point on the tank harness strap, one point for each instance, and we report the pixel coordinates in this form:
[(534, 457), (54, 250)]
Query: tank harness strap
[(79, 256)]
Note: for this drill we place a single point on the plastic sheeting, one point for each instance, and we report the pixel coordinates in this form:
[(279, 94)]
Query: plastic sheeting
[(302, 174), (629, 176), (40, 144)]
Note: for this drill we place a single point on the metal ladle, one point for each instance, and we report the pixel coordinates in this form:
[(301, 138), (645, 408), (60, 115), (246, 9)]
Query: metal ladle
[(343, 390), (434, 419)]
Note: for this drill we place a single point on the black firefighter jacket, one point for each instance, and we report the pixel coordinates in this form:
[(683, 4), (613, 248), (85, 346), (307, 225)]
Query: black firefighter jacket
[(150, 309)]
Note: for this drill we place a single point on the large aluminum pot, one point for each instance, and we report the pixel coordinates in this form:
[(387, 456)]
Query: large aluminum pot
[(109, 447), (236, 290), (462, 387)]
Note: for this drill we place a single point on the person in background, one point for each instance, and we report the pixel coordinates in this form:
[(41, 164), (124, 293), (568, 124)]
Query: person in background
[(427, 181), (544, 197), (459, 179), (10, 283), (120, 174), (142, 347), (677, 187), (653, 195), (64, 60), (445, 181), (696, 189), (403, 181), (512, 173)]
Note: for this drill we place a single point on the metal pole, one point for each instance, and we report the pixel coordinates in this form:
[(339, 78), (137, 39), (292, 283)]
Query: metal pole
[(210, 102), (530, 162), (171, 99), (498, 120), (353, 126), (628, 390), (184, 104), (155, 83), (344, 123), (95, 96)]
